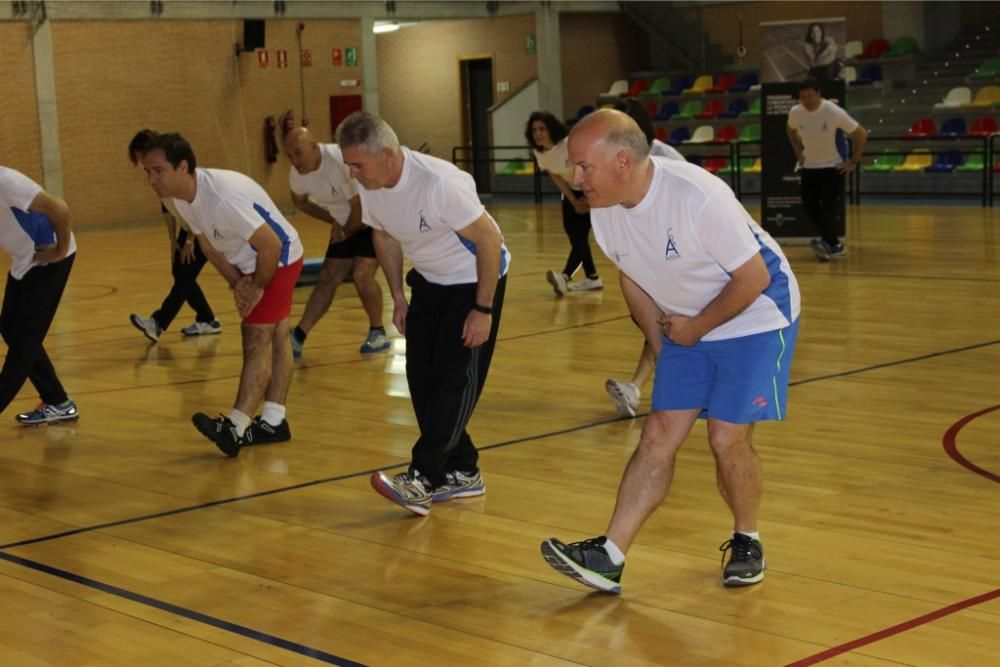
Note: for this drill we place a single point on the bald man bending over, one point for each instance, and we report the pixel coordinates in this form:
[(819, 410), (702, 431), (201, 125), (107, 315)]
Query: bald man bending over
[(719, 306), (322, 187)]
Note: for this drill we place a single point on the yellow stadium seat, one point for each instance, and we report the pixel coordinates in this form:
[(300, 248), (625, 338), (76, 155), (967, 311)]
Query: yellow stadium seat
[(986, 96), (754, 168), (918, 160), (701, 84)]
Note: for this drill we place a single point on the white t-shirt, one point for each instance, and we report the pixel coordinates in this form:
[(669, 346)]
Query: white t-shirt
[(683, 239), (556, 161), (658, 148), (818, 131), (168, 203), (330, 185), (228, 208), (21, 230), (426, 211)]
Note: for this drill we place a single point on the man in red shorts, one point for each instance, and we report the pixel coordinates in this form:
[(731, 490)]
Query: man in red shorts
[(243, 234)]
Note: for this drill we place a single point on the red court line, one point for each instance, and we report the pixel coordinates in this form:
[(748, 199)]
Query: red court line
[(948, 441)]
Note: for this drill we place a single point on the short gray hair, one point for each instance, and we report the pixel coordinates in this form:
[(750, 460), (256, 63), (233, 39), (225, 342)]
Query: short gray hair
[(366, 129), (630, 138)]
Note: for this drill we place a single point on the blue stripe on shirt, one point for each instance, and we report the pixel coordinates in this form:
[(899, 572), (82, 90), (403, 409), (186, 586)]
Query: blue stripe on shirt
[(778, 290), (471, 247), (279, 230), (37, 226)]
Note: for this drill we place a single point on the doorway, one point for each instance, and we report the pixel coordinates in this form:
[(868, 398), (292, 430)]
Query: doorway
[(477, 98)]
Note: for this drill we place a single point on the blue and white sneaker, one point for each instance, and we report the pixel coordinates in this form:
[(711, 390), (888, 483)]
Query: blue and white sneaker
[(459, 485), (409, 489), (49, 414), (376, 342), (147, 325)]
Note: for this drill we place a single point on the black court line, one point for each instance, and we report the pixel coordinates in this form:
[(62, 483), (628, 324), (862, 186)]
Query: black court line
[(897, 276), (190, 614), (292, 646)]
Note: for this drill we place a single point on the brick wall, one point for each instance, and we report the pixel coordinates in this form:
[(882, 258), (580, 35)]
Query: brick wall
[(419, 81), (597, 49), (19, 136)]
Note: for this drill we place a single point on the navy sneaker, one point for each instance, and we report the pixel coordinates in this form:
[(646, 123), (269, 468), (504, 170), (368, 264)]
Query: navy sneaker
[(746, 562), (588, 562), (49, 414), (459, 484)]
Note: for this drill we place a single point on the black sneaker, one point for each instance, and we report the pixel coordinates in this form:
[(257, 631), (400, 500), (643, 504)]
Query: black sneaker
[(587, 562), (746, 563), (219, 430), (259, 432)]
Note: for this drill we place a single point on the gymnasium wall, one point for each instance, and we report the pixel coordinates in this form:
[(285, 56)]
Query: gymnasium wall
[(419, 80), (720, 21), (116, 77), (19, 134)]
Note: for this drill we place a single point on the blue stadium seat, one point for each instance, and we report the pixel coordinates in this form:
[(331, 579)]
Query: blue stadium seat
[(694, 159), (953, 126), (736, 107), (679, 135), (584, 110), (945, 163), (679, 84), (869, 74), (746, 82), (667, 111)]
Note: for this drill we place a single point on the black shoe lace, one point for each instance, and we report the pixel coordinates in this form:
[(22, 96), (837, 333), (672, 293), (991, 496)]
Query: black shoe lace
[(744, 549)]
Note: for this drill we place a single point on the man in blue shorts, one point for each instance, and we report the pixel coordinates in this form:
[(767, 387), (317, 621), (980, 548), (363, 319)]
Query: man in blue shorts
[(719, 305)]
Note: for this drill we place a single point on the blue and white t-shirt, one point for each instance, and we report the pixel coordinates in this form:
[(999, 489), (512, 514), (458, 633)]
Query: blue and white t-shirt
[(23, 231), (228, 208), (426, 212), (683, 240)]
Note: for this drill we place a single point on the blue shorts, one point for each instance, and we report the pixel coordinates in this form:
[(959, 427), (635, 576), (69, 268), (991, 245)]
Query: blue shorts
[(739, 380)]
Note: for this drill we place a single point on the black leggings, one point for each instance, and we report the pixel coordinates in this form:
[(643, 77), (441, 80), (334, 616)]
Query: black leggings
[(822, 190), (577, 227)]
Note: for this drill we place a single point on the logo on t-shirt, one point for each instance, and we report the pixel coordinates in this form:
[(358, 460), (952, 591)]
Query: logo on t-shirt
[(672, 251), (424, 227), (216, 234), (333, 190)]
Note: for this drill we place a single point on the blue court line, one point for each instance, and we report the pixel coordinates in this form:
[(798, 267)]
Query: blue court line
[(241, 630)]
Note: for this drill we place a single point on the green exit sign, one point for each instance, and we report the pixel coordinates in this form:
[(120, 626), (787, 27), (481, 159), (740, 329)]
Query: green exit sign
[(530, 44)]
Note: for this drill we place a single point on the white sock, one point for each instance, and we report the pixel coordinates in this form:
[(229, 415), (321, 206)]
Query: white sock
[(755, 535), (614, 553), (273, 413), (240, 421)]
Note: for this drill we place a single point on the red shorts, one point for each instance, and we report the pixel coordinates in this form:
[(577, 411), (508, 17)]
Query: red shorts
[(276, 303)]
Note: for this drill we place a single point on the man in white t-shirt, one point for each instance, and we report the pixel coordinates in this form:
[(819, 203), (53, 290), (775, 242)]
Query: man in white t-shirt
[(322, 187), (428, 209), (258, 252), (35, 232), (812, 129), (718, 304)]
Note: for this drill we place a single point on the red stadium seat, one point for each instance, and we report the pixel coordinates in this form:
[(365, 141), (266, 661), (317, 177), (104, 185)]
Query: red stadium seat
[(984, 126), (922, 127), (727, 133), (712, 109), (715, 164), (661, 134), (874, 49), (723, 84), (638, 86)]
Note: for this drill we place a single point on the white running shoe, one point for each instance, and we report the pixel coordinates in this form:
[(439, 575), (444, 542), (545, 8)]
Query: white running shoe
[(202, 328), (625, 396), (587, 285), (558, 281), (148, 326)]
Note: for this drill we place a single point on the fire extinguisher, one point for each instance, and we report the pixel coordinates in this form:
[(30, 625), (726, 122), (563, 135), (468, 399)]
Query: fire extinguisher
[(270, 143), (287, 123)]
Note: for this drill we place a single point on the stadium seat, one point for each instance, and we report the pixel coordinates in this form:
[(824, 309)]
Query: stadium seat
[(661, 134), (916, 161), (702, 134), (678, 84), (584, 110), (883, 163), (694, 159), (727, 133), (849, 74), (527, 170), (754, 109), (853, 49), (922, 127), (689, 109), (617, 88), (750, 132), (745, 164), (667, 111), (984, 126), (956, 97), (987, 70), (715, 164), (874, 49), (986, 96), (945, 163), (745, 83), (656, 88), (723, 84), (637, 88), (711, 110), (869, 75), (679, 136), (736, 107), (973, 162), (700, 85), (512, 167), (651, 109), (902, 47), (953, 126), (755, 167)]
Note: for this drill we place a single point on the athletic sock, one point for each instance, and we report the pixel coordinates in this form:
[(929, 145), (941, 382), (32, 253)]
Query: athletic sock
[(614, 553), (273, 413), (240, 421), (754, 535)]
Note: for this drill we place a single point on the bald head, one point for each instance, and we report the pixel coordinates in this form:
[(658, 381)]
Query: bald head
[(302, 150), (611, 157)]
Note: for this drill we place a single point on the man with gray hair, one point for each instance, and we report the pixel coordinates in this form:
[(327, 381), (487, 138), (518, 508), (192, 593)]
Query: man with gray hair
[(719, 306), (428, 209)]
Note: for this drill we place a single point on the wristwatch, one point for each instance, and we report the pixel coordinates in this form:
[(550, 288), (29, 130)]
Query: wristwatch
[(485, 310)]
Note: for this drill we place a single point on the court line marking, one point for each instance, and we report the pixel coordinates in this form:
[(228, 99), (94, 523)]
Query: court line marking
[(333, 659), (948, 441), (190, 614)]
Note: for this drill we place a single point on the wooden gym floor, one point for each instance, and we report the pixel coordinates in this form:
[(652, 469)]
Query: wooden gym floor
[(127, 539)]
